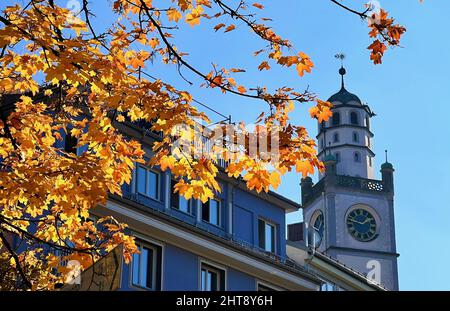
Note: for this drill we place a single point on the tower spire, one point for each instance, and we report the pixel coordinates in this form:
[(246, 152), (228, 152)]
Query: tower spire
[(342, 71), (385, 152)]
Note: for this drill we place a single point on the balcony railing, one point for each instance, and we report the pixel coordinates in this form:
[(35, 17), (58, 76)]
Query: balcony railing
[(368, 185)]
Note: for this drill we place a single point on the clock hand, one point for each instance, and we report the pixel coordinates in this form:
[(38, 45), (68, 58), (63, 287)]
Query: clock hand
[(358, 222)]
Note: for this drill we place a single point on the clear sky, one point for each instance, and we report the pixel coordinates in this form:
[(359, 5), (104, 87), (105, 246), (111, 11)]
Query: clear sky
[(410, 94)]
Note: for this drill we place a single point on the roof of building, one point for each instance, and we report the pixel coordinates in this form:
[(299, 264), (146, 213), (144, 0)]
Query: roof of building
[(329, 157), (344, 97), (387, 165), (337, 264)]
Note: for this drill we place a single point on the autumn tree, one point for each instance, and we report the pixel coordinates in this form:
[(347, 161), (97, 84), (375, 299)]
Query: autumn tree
[(69, 80)]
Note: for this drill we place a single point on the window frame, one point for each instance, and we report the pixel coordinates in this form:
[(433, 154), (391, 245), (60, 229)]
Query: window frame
[(219, 212), (336, 119), (355, 137), (336, 137), (354, 113), (147, 183), (269, 286), (212, 267), (158, 260), (275, 237), (190, 202)]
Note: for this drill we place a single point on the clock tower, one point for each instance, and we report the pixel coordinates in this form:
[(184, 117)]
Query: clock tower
[(348, 214)]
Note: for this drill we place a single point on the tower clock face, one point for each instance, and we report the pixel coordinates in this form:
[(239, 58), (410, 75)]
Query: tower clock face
[(362, 225)]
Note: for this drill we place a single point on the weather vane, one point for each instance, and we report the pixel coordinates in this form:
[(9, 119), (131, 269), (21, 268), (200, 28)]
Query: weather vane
[(342, 72), (341, 57)]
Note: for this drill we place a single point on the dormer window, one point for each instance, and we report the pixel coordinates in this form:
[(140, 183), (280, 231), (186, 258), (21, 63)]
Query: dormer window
[(354, 118), (336, 118)]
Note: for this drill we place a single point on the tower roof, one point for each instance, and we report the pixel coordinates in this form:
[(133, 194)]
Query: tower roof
[(344, 96)]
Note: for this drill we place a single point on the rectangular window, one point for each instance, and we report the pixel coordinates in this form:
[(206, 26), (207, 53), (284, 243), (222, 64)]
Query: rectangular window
[(266, 234), (179, 202), (147, 182), (265, 288), (146, 267), (211, 212), (212, 279)]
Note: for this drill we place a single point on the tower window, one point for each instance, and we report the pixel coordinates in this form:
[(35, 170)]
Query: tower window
[(336, 118), (336, 137), (357, 157), (355, 137), (370, 161), (367, 122), (354, 118), (337, 155)]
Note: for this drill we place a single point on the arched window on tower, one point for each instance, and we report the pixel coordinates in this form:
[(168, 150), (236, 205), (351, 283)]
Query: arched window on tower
[(336, 118), (355, 136), (354, 118), (357, 156), (336, 137)]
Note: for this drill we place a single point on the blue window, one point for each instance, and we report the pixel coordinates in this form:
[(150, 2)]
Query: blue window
[(211, 211), (212, 278), (148, 182), (179, 202), (267, 236), (146, 267)]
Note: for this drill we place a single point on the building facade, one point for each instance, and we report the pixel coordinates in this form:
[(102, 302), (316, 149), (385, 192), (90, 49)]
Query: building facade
[(236, 241), (348, 215)]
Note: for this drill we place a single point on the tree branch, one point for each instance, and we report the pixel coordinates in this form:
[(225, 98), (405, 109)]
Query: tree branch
[(16, 259)]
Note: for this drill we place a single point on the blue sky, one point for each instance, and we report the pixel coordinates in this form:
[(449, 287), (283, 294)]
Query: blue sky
[(410, 94)]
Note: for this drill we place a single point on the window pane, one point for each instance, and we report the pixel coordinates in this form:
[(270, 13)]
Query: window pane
[(184, 205), (269, 238), (150, 268), (203, 280), (214, 210), (153, 188), (213, 281), (135, 269), (141, 180), (144, 267), (261, 235), (205, 212)]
